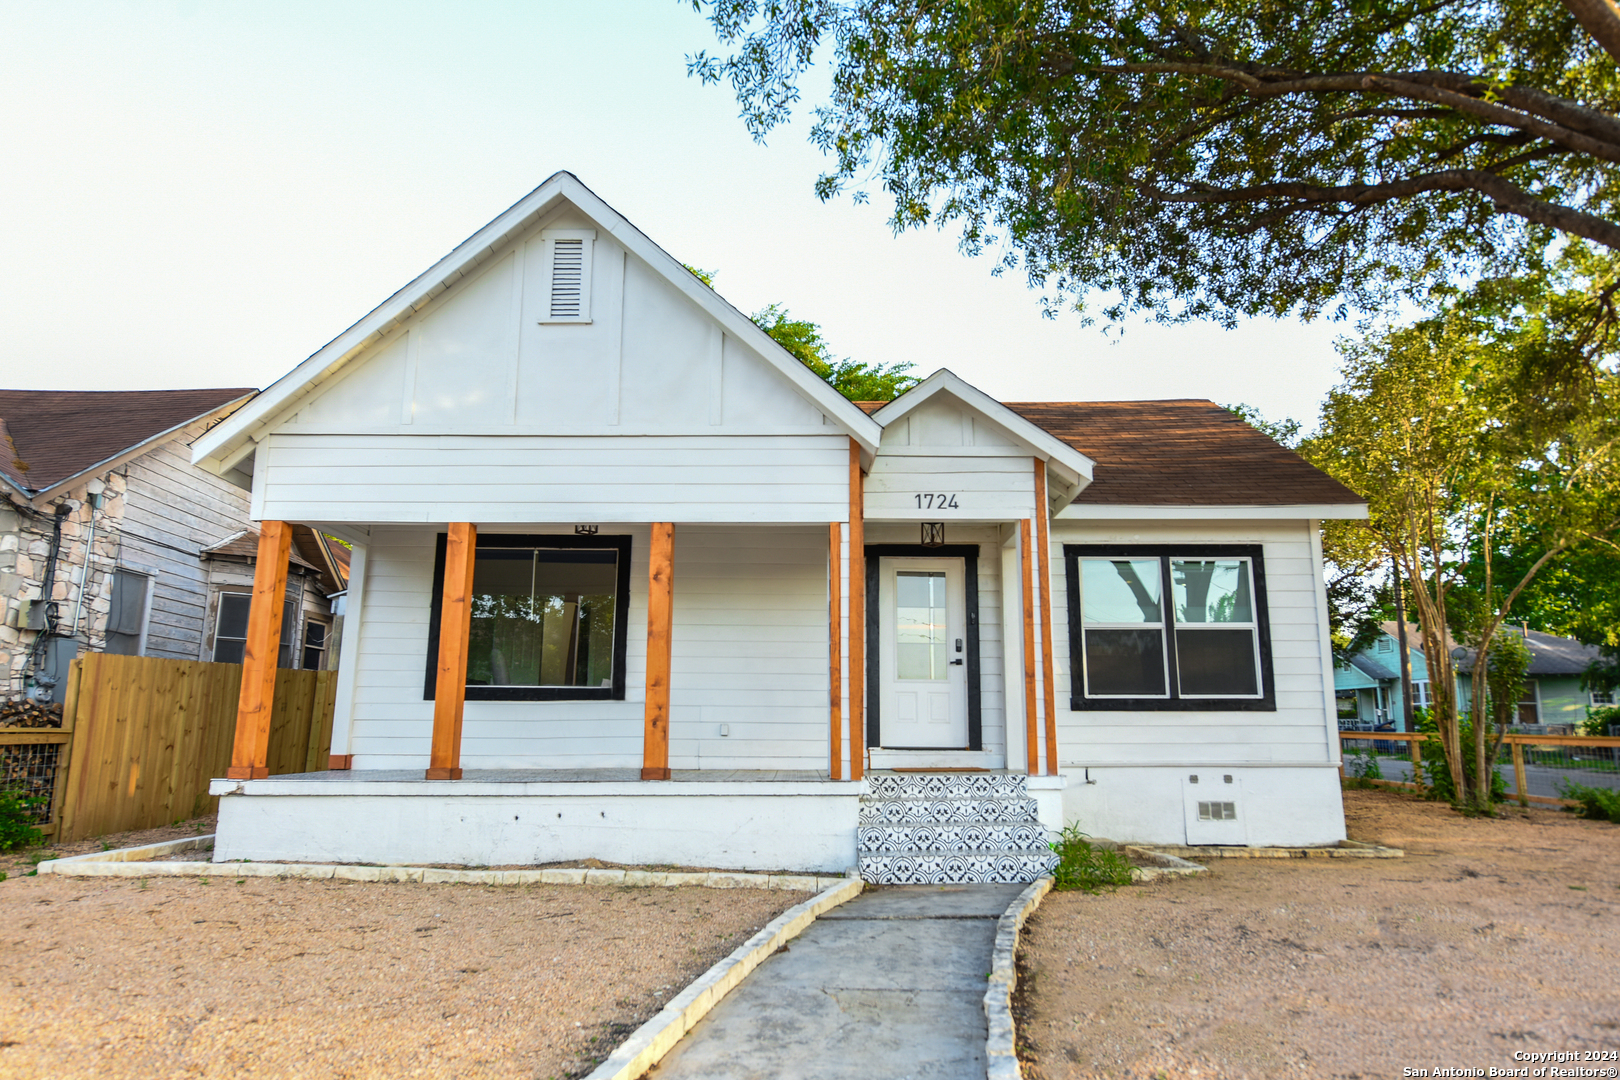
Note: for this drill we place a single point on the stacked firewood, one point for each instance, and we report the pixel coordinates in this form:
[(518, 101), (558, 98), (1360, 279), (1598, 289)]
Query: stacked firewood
[(30, 714)]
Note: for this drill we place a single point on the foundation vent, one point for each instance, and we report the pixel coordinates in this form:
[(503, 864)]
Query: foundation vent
[(1217, 811)]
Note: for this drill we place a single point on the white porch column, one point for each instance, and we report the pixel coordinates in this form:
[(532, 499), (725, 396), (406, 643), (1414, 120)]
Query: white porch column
[(342, 752), (1012, 646)]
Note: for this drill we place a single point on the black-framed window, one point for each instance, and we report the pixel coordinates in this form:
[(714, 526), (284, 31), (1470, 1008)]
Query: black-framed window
[(1169, 627), (231, 629), (549, 619)]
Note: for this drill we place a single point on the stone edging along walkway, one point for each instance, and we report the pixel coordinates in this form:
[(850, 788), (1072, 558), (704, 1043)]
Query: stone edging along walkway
[(137, 862)]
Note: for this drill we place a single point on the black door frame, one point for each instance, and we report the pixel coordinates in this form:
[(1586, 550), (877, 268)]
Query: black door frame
[(969, 554)]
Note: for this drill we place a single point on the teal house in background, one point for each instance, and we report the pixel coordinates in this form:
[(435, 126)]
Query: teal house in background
[(1368, 687)]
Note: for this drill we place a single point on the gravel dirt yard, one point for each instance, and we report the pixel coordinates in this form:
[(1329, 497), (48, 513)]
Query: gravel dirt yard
[(1490, 937), (113, 978)]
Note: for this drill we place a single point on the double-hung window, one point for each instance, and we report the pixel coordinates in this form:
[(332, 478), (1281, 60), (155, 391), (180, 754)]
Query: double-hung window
[(1169, 628), (548, 618)]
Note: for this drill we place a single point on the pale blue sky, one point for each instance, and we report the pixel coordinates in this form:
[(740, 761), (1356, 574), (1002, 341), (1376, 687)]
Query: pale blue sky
[(200, 194)]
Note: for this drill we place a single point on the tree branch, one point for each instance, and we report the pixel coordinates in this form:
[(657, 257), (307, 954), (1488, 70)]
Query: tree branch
[(1497, 114), (1601, 19), (1508, 198)]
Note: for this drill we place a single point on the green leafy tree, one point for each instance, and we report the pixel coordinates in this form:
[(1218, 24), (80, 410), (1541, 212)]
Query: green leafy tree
[(1456, 453), (856, 381), (1210, 158)]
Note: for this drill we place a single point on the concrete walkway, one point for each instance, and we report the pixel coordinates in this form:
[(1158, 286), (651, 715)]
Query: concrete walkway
[(889, 985)]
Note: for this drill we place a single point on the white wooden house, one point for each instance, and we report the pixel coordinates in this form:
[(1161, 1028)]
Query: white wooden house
[(628, 581)]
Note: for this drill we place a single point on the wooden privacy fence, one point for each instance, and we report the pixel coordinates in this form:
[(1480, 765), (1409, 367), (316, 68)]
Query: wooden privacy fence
[(1516, 747), (142, 737)]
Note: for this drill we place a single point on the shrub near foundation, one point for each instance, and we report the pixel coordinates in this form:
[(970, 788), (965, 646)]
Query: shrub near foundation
[(17, 821), (1086, 866)]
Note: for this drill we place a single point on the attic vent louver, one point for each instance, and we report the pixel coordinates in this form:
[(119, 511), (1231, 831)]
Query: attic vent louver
[(565, 275), (567, 278)]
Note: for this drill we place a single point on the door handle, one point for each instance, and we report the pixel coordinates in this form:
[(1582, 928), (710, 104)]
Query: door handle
[(955, 662)]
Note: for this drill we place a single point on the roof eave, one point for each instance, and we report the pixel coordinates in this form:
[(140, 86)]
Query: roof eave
[(45, 496), (1078, 468)]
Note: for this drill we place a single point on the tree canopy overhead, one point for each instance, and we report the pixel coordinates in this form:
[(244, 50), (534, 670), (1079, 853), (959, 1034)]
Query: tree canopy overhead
[(1208, 158)]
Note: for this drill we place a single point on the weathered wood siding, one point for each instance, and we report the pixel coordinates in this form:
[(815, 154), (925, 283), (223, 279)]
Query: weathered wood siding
[(750, 651), (173, 510), (1297, 732), (493, 479)]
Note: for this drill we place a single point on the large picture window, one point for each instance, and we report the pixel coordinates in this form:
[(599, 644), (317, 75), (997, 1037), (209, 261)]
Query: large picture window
[(1168, 628), (548, 618)]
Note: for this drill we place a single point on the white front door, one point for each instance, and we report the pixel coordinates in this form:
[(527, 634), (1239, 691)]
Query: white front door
[(922, 661)]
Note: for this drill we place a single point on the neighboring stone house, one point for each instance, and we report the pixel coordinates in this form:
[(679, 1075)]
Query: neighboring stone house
[(100, 493)]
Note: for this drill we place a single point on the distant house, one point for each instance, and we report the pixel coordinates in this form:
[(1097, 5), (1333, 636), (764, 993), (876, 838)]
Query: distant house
[(111, 540), (1369, 690)]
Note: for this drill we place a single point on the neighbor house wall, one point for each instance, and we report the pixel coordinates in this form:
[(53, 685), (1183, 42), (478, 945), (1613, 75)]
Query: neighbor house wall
[(174, 510)]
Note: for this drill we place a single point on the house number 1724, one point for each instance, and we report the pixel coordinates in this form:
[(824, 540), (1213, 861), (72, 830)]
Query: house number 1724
[(931, 501)]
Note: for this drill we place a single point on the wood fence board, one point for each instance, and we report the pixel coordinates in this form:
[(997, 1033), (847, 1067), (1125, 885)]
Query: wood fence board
[(150, 734)]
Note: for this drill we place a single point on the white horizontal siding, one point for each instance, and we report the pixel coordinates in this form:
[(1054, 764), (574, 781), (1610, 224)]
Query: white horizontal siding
[(984, 488), (749, 650), (400, 478), (1296, 732)]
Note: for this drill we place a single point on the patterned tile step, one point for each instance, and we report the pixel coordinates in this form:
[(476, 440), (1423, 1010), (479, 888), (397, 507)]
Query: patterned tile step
[(945, 839), (947, 812), (985, 868), (946, 786)]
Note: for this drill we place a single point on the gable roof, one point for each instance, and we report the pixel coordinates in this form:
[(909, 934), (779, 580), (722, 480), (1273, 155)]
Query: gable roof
[(226, 442), (1069, 458), (51, 437), (1184, 452)]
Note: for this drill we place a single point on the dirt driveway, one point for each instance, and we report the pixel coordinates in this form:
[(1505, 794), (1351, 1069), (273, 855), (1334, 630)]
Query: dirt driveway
[(175, 978), (1490, 937)]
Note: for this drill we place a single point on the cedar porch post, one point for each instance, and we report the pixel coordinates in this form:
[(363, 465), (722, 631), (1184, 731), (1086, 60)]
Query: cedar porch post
[(1043, 563), (660, 622), (835, 643), (455, 626), (857, 615), (251, 750), (1032, 749)]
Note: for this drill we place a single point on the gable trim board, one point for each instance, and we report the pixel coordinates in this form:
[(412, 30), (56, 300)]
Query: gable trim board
[(224, 446)]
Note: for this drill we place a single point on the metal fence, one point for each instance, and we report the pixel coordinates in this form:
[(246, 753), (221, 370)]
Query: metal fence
[(1533, 767), (32, 771)]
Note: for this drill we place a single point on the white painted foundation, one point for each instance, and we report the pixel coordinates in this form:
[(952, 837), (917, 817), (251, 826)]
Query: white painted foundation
[(1280, 806), (789, 825)]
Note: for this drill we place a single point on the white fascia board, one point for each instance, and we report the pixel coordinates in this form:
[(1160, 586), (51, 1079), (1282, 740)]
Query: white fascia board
[(1089, 512), (1075, 466), (478, 249)]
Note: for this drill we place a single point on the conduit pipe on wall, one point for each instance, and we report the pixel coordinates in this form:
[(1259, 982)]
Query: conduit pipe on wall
[(93, 489)]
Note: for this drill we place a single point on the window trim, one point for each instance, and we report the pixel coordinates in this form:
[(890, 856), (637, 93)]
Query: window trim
[(621, 620), (1174, 702)]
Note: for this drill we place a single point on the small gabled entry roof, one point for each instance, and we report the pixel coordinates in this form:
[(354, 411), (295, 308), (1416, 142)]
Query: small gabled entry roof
[(1073, 468), (221, 444)]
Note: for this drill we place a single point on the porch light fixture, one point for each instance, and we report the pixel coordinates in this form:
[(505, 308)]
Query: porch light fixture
[(933, 534), (585, 530)]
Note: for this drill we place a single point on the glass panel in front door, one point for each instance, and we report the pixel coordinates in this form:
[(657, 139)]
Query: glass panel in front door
[(920, 625)]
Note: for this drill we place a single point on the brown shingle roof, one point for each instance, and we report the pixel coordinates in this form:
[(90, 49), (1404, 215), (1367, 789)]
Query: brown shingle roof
[(1183, 452), (57, 434), (1186, 452)]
